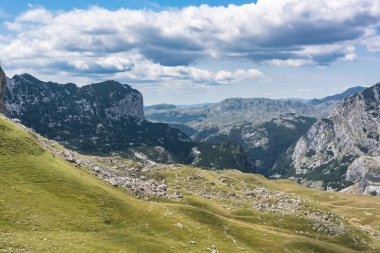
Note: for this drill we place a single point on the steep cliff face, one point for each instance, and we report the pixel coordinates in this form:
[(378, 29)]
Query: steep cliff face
[(102, 117), (108, 100), (3, 82), (332, 145)]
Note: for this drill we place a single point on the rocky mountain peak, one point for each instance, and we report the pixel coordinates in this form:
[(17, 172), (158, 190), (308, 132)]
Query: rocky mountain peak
[(3, 82), (27, 77), (332, 145), (117, 100), (101, 117), (110, 99)]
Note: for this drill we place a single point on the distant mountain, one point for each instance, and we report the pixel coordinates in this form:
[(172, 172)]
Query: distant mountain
[(160, 107), (347, 93), (98, 118), (345, 148), (249, 134), (193, 105), (232, 111), (3, 82), (240, 110)]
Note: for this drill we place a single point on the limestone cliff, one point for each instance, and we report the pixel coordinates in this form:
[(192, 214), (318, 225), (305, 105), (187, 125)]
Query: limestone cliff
[(365, 173), (333, 145)]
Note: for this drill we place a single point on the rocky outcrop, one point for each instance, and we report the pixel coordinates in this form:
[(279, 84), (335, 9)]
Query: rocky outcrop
[(352, 131), (3, 82), (102, 117), (365, 173), (319, 136)]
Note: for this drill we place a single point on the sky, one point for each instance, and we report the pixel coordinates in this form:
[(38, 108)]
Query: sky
[(189, 52)]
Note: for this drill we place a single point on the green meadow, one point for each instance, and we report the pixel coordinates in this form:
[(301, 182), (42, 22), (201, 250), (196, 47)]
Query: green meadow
[(48, 205)]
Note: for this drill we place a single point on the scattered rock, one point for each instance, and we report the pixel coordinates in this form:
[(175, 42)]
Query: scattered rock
[(177, 194), (213, 249)]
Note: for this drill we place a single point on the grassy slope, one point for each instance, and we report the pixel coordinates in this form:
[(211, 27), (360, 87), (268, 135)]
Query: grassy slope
[(360, 209), (48, 205)]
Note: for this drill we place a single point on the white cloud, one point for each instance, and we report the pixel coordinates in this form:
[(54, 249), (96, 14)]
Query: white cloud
[(146, 71), (226, 77), (291, 62), (131, 68), (37, 15), (149, 46)]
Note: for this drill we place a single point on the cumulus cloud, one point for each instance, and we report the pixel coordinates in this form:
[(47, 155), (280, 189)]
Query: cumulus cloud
[(290, 62), (36, 15), (149, 45), (151, 72), (132, 68)]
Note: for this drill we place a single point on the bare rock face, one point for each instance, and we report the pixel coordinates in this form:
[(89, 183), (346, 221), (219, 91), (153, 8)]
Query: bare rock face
[(101, 117), (365, 173), (3, 82), (333, 144), (319, 136)]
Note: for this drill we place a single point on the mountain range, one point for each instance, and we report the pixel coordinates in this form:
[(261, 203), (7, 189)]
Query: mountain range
[(294, 139), (245, 134), (239, 110)]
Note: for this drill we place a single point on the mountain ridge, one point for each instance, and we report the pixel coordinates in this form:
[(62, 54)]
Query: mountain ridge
[(101, 117), (239, 110), (193, 115), (340, 96)]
